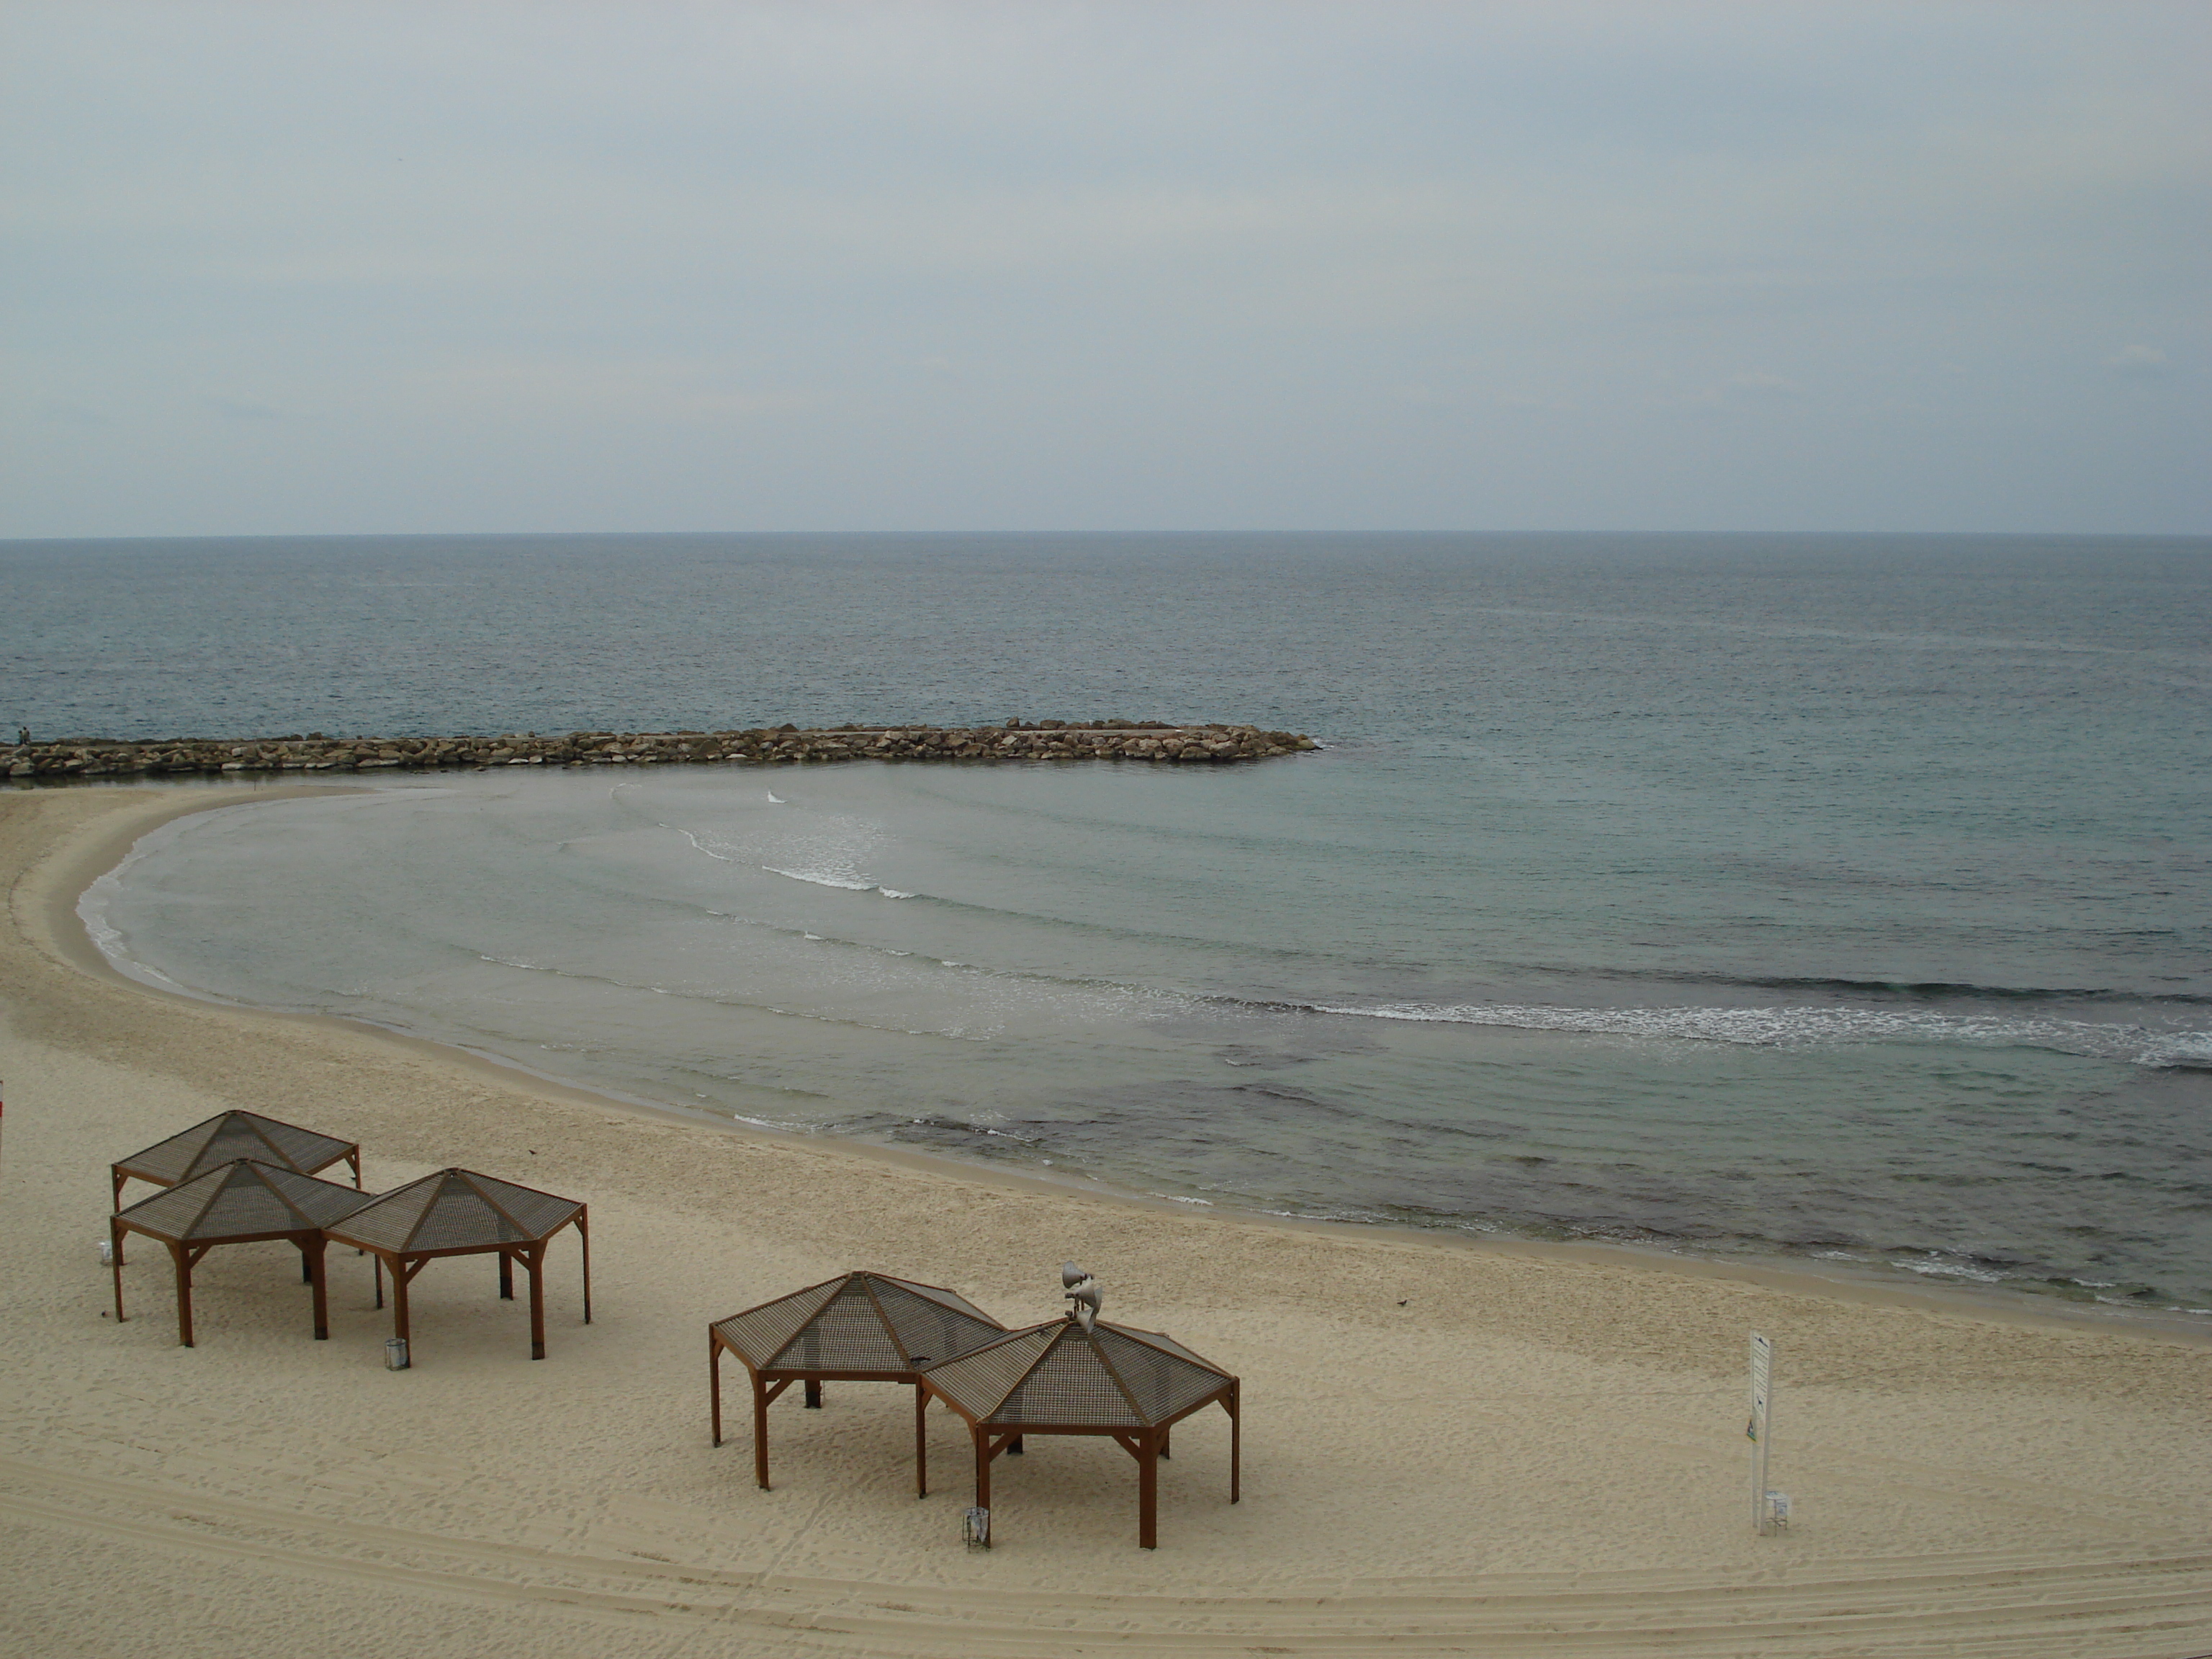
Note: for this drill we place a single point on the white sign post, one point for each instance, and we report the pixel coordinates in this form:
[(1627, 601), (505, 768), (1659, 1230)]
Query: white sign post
[(1761, 1430)]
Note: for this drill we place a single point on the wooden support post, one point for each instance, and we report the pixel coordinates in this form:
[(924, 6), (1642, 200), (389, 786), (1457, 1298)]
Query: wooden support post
[(1148, 1492), (982, 1468), (714, 1384), (813, 1394), (920, 1441), (760, 1432), (184, 1295), (1165, 1433), (506, 1277), (399, 1277), (119, 1180), (535, 1262), (380, 1280), (310, 1254), (307, 1273), (1235, 1404), (584, 1233), (115, 1260)]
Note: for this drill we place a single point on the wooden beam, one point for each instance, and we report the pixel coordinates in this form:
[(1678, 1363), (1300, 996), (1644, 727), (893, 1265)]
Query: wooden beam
[(920, 1441), (761, 1397), (535, 1262), (714, 1383), (1235, 1403), (1148, 1493), (184, 1295), (399, 1278), (311, 1253)]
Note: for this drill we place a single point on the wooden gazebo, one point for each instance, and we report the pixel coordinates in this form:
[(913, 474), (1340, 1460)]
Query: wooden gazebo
[(1063, 1378), (241, 1203), (225, 1138), (459, 1212), (860, 1328)]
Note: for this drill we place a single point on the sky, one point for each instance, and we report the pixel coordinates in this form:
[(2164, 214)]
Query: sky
[(393, 268)]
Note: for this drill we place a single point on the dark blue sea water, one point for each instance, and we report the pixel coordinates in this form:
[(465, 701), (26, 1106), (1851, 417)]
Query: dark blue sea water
[(1845, 897)]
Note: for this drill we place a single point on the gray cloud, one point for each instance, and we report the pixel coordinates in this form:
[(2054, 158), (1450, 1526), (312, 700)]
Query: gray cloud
[(71, 414), (2137, 360), (1124, 265)]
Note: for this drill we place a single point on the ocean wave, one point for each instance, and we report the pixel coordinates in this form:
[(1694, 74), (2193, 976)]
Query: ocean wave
[(839, 879), (719, 998), (1802, 1027), (846, 884), (1293, 958), (700, 846), (1884, 990), (1786, 1026), (825, 879)]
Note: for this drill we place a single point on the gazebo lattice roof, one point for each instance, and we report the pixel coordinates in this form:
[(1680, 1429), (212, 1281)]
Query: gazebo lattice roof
[(1059, 1375), (860, 1322), (458, 1210), (228, 1137), (244, 1199)]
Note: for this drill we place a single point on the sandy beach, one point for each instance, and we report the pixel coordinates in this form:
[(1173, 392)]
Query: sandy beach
[(1447, 1449)]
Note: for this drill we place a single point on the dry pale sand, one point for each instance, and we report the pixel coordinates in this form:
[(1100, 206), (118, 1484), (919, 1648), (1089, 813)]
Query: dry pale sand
[(1447, 1449)]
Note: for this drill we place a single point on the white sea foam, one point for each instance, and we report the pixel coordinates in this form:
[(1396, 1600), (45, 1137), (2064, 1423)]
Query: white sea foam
[(1801, 1027), (2183, 1049), (843, 883), (109, 943), (92, 910), (824, 879), (702, 847)]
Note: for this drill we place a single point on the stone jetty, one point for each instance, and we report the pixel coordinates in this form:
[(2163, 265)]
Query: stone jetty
[(1152, 741)]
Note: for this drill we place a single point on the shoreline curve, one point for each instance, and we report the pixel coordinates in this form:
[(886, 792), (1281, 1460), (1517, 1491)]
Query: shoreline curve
[(99, 854)]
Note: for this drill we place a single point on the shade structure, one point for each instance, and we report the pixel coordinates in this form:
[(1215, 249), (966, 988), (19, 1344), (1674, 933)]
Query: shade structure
[(460, 1212), (241, 1203), (1060, 1377), (860, 1328), (228, 1137)]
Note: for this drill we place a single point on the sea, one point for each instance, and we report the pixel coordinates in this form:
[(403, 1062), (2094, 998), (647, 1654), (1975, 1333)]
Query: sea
[(1836, 901)]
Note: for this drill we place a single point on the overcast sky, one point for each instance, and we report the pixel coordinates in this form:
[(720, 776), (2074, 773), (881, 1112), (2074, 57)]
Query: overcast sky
[(380, 267)]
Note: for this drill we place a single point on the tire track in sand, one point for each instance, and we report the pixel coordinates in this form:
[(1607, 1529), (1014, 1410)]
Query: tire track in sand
[(1996, 1605)]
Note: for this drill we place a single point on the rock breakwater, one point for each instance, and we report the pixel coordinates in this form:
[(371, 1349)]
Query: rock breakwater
[(1151, 741)]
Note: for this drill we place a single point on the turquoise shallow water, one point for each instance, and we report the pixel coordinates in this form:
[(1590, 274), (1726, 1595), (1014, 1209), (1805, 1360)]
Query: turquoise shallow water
[(1833, 897)]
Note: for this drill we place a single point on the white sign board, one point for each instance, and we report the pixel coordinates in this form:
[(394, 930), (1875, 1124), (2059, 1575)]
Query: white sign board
[(1761, 1428)]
